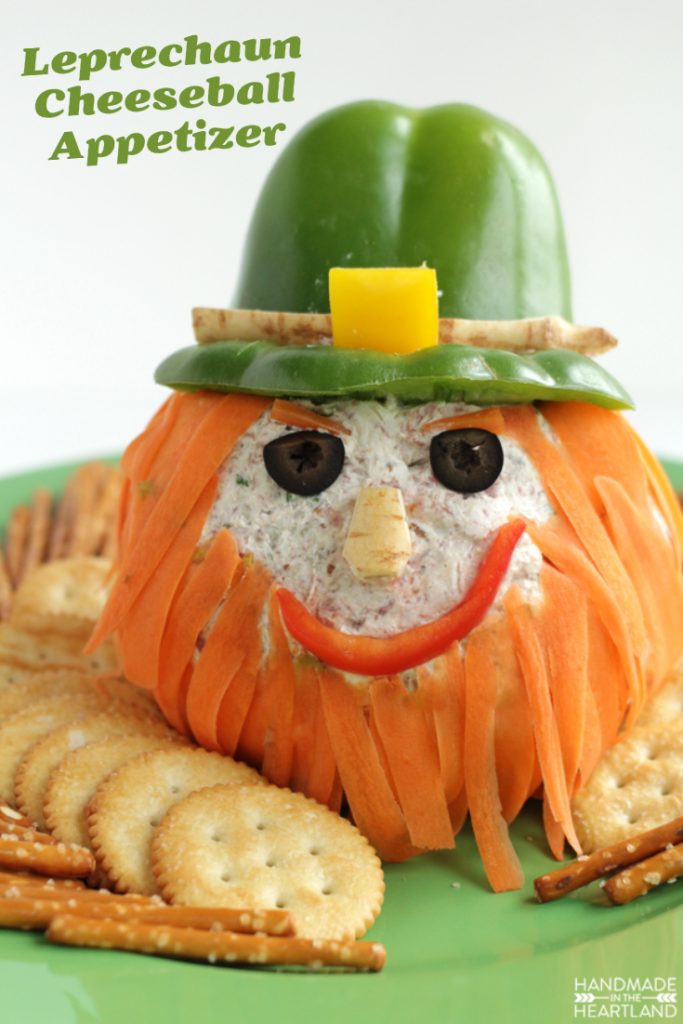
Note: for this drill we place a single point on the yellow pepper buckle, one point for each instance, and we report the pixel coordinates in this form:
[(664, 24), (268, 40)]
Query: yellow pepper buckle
[(392, 309)]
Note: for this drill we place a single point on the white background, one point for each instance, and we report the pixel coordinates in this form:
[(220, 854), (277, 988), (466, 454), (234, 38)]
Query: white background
[(100, 266)]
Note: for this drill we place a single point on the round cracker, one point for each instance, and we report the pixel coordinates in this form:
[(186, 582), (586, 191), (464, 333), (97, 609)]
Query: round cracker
[(40, 652), (22, 729), (234, 846), (636, 786), (41, 685), (43, 757), (65, 596), (73, 782), (11, 674), (129, 805)]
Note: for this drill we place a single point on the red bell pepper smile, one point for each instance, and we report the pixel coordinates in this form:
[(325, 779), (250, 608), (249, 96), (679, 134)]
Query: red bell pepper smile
[(381, 656)]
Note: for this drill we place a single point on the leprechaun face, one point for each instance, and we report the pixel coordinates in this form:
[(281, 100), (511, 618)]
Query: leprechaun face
[(425, 487)]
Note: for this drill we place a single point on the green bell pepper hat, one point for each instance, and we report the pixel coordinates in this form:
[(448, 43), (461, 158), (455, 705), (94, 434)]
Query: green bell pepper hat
[(376, 185)]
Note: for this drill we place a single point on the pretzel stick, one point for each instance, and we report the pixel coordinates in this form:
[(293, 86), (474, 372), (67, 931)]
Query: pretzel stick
[(6, 588), (8, 813), (15, 541), (214, 947), (647, 874), (28, 835), (532, 335), (35, 909), (30, 880), (88, 484), (58, 546), (39, 530), (260, 325), (37, 887), (587, 869), (59, 860), (212, 919), (104, 513), (36, 913)]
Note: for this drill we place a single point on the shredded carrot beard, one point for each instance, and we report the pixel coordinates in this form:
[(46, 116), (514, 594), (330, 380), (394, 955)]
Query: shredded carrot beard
[(524, 706)]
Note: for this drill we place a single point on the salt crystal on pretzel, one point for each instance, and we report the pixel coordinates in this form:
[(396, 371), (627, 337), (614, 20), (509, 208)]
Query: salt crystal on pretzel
[(215, 947)]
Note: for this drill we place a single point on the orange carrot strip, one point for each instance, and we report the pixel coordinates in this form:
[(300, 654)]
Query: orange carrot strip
[(207, 579), (278, 672), (160, 436), (560, 546), (485, 419), (374, 808), (553, 831), (562, 624), (131, 453), (336, 796), (381, 752), (458, 811), (493, 840), (665, 495), (173, 704), (239, 692), (305, 699), (322, 773), (204, 451), (606, 681), (224, 653), (592, 741), (141, 631), (442, 682), (314, 768), (413, 762), (530, 654), (646, 553), (521, 422), (598, 442), (513, 731), (299, 416), (252, 741)]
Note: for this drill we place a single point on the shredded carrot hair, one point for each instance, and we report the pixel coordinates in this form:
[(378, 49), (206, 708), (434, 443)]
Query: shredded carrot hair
[(524, 706)]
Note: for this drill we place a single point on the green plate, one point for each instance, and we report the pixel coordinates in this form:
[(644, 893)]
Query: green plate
[(456, 952)]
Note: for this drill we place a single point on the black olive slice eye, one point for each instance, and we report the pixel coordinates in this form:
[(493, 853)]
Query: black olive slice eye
[(305, 462), (466, 460)]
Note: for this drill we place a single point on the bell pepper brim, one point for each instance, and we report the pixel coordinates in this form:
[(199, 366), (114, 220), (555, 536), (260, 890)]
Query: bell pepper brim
[(442, 373)]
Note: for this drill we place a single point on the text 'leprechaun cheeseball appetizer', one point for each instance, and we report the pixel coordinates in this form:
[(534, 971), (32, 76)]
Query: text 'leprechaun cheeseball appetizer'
[(407, 557)]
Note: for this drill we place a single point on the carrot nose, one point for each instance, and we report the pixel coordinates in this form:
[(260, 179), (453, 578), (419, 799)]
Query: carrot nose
[(378, 542)]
